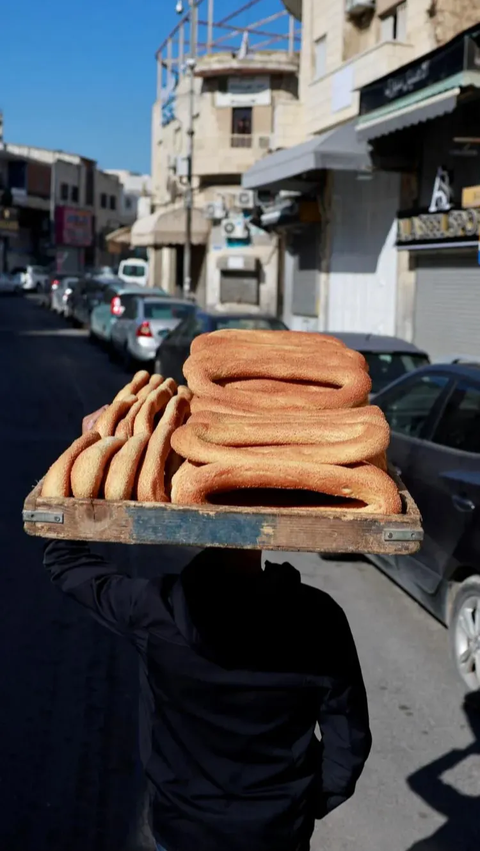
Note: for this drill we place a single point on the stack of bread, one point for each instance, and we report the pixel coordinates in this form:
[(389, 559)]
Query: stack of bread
[(127, 455), (278, 416)]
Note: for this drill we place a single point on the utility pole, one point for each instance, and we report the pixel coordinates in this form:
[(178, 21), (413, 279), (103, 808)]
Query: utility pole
[(190, 63)]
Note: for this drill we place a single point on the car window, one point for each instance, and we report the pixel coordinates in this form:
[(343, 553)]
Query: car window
[(459, 426), (134, 271), (108, 294), (165, 310), (130, 307), (408, 406), (250, 324), (187, 330), (387, 367)]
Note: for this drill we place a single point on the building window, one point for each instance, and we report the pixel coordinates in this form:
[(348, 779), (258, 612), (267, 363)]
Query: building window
[(320, 57), (74, 195), (394, 25), (242, 127), (64, 191), (113, 202), (103, 201), (128, 203)]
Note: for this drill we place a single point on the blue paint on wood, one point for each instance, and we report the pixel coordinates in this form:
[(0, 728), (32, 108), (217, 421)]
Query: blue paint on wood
[(194, 528)]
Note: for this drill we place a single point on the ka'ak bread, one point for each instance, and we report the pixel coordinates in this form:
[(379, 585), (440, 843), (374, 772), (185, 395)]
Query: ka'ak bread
[(125, 427), (155, 381), (298, 381), (153, 483), (139, 380), (109, 419), (361, 488), (236, 337), (154, 404), (89, 468), (320, 353), (123, 468), (237, 439), (57, 481)]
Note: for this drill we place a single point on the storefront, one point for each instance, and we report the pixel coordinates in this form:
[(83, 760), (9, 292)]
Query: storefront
[(73, 239), (422, 122)]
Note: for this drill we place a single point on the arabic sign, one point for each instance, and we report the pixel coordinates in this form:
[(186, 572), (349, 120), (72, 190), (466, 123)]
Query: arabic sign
[(460, 54), (245, 91), (457, 226), (8, 221), (73, 227)]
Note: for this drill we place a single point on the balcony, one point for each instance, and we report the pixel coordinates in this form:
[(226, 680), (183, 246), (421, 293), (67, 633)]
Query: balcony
[(233, 154)]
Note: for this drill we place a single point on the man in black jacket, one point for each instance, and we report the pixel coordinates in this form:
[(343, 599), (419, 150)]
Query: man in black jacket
[(238, 665)]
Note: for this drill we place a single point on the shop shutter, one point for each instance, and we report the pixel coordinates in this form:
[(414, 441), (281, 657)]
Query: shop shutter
[(305, 250), (447, 305)]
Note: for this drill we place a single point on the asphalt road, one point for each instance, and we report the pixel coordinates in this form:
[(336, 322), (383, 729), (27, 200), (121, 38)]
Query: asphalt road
[(68, 689)]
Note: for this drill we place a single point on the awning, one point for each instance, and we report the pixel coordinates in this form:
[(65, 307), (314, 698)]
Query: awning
[(428, 103), (121, 236), (169, 228), (339, 150)]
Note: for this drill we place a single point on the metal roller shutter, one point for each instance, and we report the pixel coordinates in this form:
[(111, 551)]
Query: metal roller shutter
[(447, 306), (306, 253)]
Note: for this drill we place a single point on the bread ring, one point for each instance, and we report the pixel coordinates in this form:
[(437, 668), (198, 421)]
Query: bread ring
[(88, 469), (153, 405), (335, 386), (139, 380), (122, 472), (57, 480), (185, 392), (365, 488), (337, 416), (323, 353), (108, 421), (125, 427), (236, 336), (152, 485), (155, 381)]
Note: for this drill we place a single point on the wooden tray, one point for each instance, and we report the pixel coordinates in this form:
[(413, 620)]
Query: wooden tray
[(300, 529)]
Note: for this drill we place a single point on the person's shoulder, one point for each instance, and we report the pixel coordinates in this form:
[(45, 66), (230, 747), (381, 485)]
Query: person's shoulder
[(320, 602)]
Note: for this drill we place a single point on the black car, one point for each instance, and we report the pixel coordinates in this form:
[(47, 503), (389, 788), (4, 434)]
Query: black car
[(87, 293), (434, 414), (175, 348)]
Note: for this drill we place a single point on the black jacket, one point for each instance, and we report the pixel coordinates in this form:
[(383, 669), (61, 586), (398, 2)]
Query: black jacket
[(236, 673)]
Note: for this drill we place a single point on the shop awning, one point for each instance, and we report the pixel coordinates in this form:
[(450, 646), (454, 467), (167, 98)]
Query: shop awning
[(430, 102), (339, 150), (168, 228), (120, 236)]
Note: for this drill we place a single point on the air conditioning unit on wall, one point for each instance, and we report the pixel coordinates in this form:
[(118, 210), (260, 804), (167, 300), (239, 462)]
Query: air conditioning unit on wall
[(358, 7), (234, 229), (245, 199), (215, 210)]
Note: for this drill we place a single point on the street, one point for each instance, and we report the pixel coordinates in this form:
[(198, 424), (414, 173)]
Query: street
[(69, 780)]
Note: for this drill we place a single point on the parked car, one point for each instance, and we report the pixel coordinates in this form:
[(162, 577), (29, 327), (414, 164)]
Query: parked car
[(434, 415), (10, 284), (60, 288), (134, 271), (175, 348), (144, 322), (112, 305), (33, 278), (388, 358), (86, 294)]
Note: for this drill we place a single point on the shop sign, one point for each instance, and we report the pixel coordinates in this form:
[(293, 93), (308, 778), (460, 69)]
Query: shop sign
[(73, 227), (471, 196), (454, 226), (442, 192), (8, 221), (245, 91)]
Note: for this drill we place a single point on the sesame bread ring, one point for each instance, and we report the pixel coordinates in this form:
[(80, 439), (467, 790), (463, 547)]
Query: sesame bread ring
[(155, 381), (109, 419), (57, 480), (152, 484), (362, 488), (89, 468), (139, 380), (155, 402), (338, 417), (335, 385), (234, 337), (123, 468), (125, 427)]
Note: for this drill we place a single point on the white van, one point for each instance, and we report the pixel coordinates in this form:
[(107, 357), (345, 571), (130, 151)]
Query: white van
[(134, 271)]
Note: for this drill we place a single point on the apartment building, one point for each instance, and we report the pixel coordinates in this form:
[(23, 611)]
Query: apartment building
[(241, 102), (343, 271)]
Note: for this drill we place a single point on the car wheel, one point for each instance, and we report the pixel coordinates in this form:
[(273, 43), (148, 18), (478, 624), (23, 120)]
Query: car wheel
[(464, 632)]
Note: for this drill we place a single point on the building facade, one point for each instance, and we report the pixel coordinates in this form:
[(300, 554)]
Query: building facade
[(346, 272)]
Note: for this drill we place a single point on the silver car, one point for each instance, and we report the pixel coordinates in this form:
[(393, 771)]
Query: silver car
[(60, 289), (136, 334)]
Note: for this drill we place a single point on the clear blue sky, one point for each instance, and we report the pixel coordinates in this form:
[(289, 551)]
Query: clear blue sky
[(80, 76)]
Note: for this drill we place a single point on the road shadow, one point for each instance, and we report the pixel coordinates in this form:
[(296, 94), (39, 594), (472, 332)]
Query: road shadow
[(461, 831)]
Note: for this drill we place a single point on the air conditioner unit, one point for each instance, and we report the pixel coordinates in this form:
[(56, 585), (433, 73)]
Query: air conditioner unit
[(358, 7), (182, 166), (234, 229), (245, 199), (215, 210), (264, 143)]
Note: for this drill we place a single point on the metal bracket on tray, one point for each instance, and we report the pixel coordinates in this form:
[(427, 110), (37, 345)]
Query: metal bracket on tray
[(402, 535), (43, 516)]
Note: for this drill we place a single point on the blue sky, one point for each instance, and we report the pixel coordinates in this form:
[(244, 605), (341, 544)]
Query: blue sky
[(80, 76)]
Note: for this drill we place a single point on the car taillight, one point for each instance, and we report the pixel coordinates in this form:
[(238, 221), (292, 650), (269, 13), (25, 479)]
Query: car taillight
[(144, 330), (55, 285), (116, 306)]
